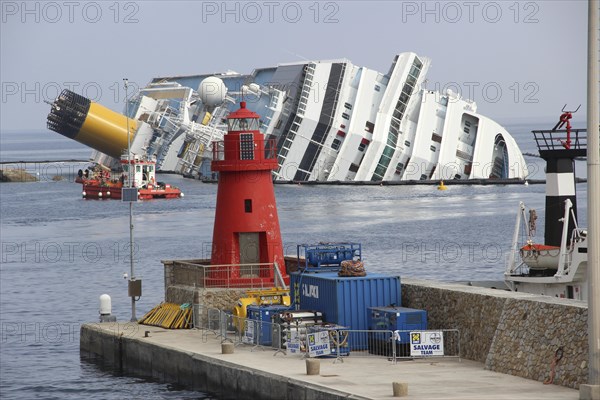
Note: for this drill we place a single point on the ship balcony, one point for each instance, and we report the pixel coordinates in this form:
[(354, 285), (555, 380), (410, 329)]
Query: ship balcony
[(551, 143), (244, 155)]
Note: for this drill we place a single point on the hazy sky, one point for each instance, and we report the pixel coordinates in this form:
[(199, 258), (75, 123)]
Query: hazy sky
[(519, 60)]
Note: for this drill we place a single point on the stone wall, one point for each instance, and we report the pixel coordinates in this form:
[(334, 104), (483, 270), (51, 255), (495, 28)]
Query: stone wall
[(222, 299), (530, 333), (512, 333), (184, 283)]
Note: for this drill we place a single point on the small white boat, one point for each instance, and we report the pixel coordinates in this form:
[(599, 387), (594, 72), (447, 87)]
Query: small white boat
[(550, 270), (540, 256)]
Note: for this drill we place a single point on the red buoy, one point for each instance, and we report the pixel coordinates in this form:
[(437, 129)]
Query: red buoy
[(247, 242)]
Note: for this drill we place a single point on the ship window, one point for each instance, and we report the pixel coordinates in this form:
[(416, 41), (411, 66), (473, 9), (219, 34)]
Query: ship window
[(246, 146), (336, 144), (137, 168), (278, 125), (345, 116), (369, 127), (466, 130), (468, 123), (404, 98), (348, 106), (407, 143), (432, 148), (388, 152), (414, 71), (248, 205), (377, 88), (423, 177), (362, 146), (353, 168), (417, 62), (457, 176)]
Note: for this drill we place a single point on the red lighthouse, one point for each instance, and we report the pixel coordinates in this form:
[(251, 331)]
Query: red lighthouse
[(247, 244)]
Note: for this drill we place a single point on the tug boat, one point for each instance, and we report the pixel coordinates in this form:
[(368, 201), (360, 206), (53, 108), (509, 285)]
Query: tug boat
[(102, 183), (558, 267), (559, 271)]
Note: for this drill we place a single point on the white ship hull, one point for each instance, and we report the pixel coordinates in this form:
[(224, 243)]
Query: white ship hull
[(332, 121)]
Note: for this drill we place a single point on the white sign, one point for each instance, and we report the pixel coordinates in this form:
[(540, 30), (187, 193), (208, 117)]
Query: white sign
[(318, 344), (292, 342), (248, 337), (426, 343)]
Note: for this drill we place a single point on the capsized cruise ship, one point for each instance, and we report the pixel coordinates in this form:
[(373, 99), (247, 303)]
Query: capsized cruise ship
[(331, 121)]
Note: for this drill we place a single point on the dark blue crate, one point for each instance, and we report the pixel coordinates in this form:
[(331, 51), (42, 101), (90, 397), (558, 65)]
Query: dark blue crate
[(397, 319)]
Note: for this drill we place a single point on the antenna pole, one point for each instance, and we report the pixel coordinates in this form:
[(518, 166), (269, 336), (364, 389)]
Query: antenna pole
[(129, 167)]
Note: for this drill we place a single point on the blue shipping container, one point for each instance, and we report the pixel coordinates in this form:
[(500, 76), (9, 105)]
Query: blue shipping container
[(344, 300)]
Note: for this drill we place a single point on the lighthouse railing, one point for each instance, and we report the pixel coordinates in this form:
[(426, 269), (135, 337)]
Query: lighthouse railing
[(553, 140), (254, 275)]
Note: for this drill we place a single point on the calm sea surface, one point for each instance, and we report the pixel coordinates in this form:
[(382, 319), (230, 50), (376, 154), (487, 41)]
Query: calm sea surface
[(60, 252)]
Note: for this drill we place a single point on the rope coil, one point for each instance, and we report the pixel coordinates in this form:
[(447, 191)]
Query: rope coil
[(352, 268)]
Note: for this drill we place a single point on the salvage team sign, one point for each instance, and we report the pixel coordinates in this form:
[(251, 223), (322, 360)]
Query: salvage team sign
[(318, 344), (426, 343)]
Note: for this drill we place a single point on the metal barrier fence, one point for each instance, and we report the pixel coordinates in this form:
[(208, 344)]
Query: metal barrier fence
[(313, 340)]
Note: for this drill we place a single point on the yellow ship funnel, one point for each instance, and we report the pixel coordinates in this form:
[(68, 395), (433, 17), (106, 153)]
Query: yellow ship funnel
[(96, 126)]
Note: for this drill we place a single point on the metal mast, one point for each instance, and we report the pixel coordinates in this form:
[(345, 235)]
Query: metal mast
[(592, 389), (129, 167)]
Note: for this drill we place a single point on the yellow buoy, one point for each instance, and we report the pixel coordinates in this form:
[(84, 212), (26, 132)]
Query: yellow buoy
[(441, 186)]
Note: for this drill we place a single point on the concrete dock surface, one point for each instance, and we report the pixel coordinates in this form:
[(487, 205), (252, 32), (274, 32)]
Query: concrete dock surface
[(358, 377)]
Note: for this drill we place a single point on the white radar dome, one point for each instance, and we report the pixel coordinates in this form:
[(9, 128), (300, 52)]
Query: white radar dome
[(212, 91), (105, 305)]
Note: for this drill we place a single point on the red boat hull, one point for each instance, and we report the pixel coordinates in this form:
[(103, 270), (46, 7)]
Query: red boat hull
[(94, 190)]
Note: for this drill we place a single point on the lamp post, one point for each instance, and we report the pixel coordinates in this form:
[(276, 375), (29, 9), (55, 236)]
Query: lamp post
[(591, 390), (130, 185)]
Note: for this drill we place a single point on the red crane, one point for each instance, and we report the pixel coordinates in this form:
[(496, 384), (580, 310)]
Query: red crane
[(565, 118)]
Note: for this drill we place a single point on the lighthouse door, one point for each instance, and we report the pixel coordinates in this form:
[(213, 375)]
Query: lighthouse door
[(249, 254)]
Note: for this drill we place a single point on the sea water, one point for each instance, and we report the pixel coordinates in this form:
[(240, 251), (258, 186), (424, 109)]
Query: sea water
[(61, 252)]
